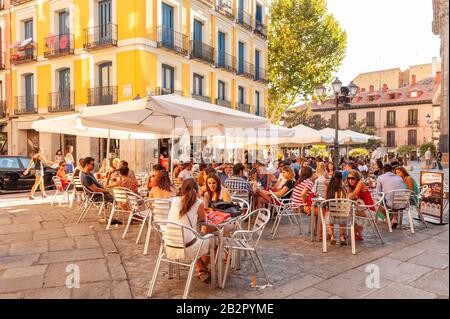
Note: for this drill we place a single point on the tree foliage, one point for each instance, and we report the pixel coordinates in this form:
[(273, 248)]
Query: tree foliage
[(423, 148), (361, 127), (405, 149), (306, 46), (358, 152), (304, 116)]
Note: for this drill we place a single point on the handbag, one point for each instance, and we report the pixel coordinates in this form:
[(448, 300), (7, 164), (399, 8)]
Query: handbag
[(232, 209), (217, 217)]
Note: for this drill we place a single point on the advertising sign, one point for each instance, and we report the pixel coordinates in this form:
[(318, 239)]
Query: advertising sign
[(432, 202)]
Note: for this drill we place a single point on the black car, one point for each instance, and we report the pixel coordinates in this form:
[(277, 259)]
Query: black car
[(12, 178)]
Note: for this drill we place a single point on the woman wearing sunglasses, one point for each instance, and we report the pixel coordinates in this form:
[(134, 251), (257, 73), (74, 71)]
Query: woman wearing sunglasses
[(358, 191)]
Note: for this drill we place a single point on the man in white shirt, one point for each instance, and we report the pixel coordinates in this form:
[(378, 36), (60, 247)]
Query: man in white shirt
[(185, 173), (428, 157)]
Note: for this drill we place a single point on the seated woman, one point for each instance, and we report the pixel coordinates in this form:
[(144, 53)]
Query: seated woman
[(409, 181), (358, 191), (114, 170), (303, 189), (331, 168), (214, 191), (320, 179), (285, 189), (335, 189), (123, 181), (163, 187), (61, 175), (187, 210), (201, 178)]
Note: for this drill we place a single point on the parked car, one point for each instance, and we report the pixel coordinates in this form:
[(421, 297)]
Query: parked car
[(12, 178)]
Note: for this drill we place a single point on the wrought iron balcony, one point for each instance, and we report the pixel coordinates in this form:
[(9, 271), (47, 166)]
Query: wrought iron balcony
[(171, 40), (225, 61), (245, 69), (2, 61), (244, 19), (390, 124), (59, 45), (202, 52), (24, 54), (223, 103), (261, 112), (25, 104), (260, 30), (412, 123), (3, 112), (261, 75), (225, 7), (61, 101), (243, 107), (99, 37), (102, 95), (165, 91), (17, 2), (209, 3), (202, 98)]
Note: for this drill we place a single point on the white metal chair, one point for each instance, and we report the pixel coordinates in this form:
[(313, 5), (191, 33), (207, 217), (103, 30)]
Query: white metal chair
[(417, 199), (172, 236), (371, 216), (96, 199), (120, 201), (60, 190), (320, 188), (159, 210), (78, 192), (398, 202), (139, 209), (242, 194), (245, 206), (284, 208), (339, 211), (247, 241)]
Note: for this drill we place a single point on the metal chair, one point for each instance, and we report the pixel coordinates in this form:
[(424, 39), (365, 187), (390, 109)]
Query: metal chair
[(284, 208), (60, 190), (172, 235), (78, 192), (398, 202), (371, 215), (245, 206), (320, 188), (159, 209), (139, 209), (339, 210), (120, 201), (417, 199), (242, 194), (96, 199), (247, 241)]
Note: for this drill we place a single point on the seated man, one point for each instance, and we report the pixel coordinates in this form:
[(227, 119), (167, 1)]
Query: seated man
[(89, 181), (237, 182)]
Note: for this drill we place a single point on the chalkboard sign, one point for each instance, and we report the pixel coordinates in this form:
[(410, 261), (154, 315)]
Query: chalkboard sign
[(433, 199)]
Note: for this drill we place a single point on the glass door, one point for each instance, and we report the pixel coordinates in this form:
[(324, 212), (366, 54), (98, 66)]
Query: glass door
[(28, 26), (167, 26), (64, 88), (256, 64), (198, 38), (168, 79), (105, 19), (221, 49), (241, 58), (105, 80), (29, 93)]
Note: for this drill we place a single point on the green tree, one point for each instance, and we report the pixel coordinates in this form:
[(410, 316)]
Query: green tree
[(306, 47), (425, 146), (304, 116), (361, 127)]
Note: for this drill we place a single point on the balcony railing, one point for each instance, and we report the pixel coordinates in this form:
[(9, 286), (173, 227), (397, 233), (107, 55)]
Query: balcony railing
[(390, 124), (202, 98), (101, 36), (165, 91), (209, 3), (260, 30), (245, 68), (225, 61), (261, 75), (411, 123), (2, 61), (102, 95), (244, 19), (61, 101), (59, 45), (243, 107), (25, 104), (24, 54), (202, 52), (223, 103), (261, 112), (225, 7), (171, 40), (17, 2), (391, 144), (2, 109)]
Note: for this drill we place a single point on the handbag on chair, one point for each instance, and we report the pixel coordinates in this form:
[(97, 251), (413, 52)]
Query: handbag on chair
[(232, 209)]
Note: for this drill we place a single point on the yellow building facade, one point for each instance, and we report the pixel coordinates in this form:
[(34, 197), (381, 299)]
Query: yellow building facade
[(60, 55)]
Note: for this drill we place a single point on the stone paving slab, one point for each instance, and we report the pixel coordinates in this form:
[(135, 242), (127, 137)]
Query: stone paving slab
[(400, 291)]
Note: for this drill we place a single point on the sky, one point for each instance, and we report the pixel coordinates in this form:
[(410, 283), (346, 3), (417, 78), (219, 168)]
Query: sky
[(384, 34)]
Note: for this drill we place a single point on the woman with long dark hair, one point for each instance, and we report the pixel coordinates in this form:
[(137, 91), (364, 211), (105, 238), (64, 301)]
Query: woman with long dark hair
[(303, 189), (215, 191), (331, 168), (335, 189), (187, 210), (409, 181), (164, 187)]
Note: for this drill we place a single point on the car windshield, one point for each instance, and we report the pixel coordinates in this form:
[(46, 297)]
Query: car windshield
[(9, 162), (25, 161)]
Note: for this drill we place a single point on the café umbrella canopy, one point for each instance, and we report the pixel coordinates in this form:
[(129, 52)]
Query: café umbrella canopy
[(167, 113)]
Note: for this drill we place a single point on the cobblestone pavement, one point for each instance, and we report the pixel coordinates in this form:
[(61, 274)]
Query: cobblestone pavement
[(38, 242)]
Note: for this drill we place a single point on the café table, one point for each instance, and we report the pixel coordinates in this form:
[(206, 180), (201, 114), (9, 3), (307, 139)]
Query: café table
[(314, 225)]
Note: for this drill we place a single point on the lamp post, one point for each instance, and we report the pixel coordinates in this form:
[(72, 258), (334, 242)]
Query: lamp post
[(432, 125), (341, 94)]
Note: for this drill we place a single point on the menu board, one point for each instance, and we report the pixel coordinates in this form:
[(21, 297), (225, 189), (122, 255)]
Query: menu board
[(433, 199)]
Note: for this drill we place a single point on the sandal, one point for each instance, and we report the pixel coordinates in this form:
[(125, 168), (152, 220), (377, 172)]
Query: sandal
[(333, 241), (343, 241), (204, 276)]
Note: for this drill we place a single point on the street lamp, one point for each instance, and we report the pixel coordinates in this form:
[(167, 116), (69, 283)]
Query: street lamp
[(342, 94), (432, 125)]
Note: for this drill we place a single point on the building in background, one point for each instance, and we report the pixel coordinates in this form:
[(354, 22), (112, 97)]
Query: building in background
[(58, 56), (440, 27), (402, 107)]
